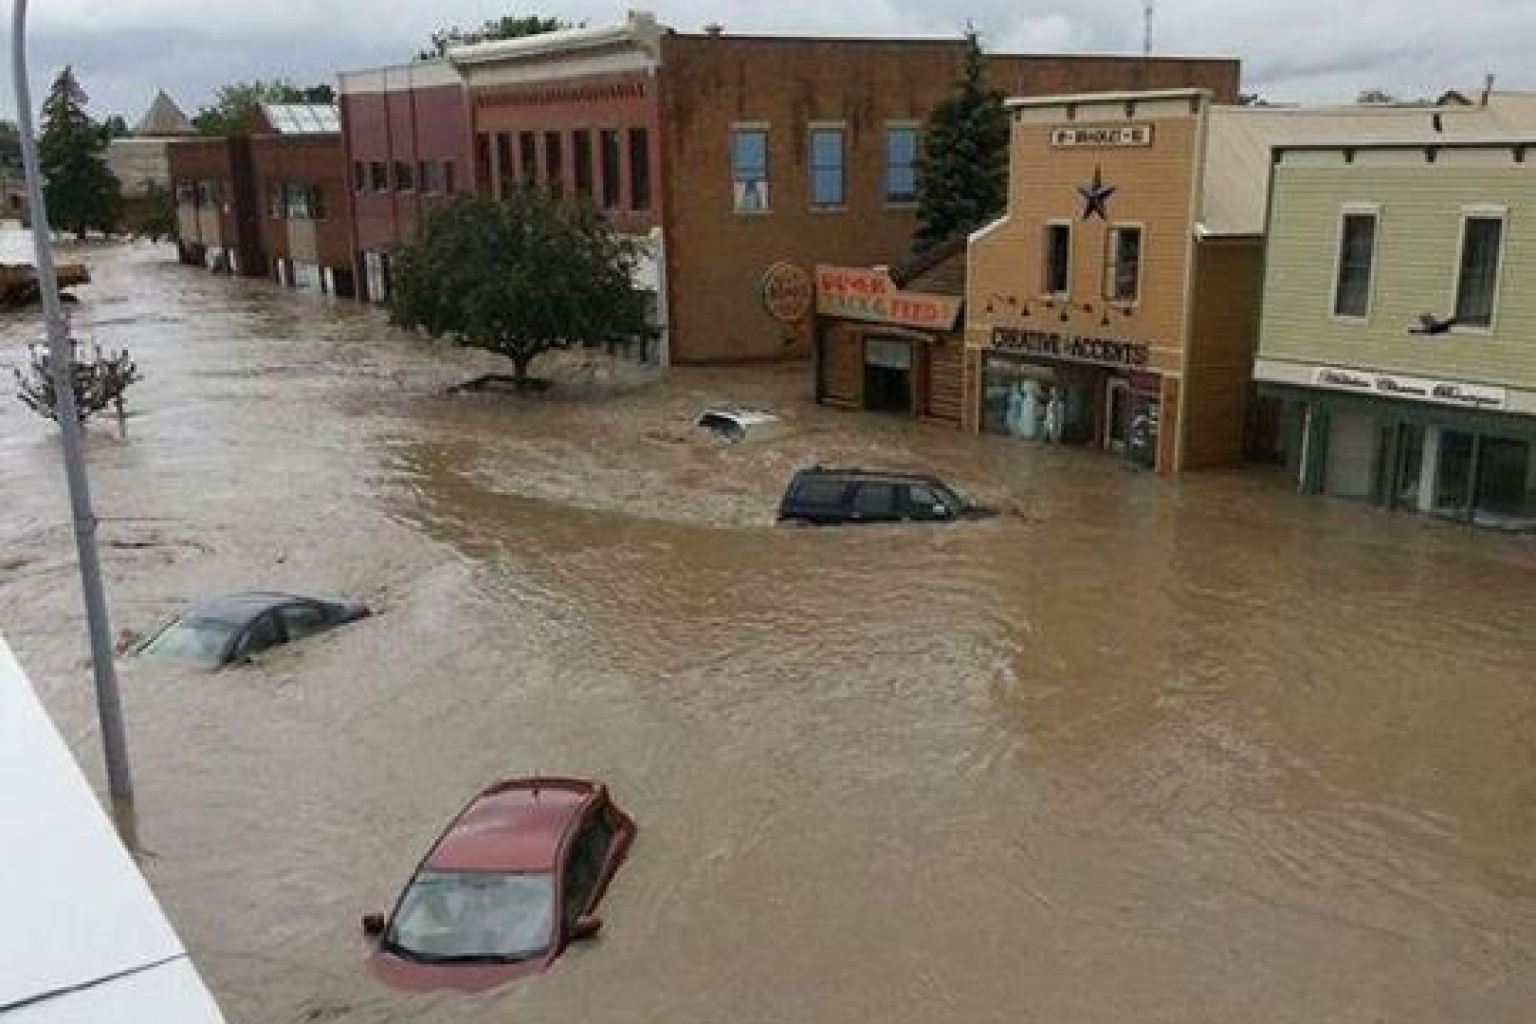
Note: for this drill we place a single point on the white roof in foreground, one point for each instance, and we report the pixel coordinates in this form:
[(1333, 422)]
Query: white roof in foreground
[(84, 939)]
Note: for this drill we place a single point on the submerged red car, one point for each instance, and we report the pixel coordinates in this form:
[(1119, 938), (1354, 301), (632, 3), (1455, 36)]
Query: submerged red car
[(509, 884)]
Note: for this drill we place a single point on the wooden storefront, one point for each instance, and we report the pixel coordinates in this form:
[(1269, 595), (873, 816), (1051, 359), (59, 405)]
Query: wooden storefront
[(888, 348)]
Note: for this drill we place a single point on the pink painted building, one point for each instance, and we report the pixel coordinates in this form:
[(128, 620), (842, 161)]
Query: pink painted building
[(405, 135)]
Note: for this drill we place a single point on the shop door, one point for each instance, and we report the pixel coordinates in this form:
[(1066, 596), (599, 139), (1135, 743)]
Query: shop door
[(1117, 414), (1350, 468), (888, 375)]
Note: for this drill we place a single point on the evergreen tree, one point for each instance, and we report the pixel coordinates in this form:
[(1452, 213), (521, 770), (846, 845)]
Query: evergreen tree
[(963, 180), (80, 191)]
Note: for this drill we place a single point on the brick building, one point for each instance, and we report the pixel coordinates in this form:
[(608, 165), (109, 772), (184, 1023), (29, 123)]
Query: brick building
[(300, 175), (405, 138), (270, 202), (218, 218), (726, 154)]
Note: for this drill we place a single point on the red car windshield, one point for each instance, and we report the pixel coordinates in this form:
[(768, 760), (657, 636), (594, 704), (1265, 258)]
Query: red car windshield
[(473, 916)]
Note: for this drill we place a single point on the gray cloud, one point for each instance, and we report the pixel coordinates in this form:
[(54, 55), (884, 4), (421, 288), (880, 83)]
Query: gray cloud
[(1317, 50)]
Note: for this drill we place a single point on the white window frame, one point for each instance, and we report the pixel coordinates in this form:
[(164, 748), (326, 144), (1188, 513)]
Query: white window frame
[(1105, 284), (730, 156), (1045, 257), (1479, 211), (1347, 210), (916, 128), (811, 128)]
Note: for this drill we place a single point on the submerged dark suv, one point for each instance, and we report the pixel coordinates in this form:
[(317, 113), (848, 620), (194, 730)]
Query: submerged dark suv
[(822, 495)]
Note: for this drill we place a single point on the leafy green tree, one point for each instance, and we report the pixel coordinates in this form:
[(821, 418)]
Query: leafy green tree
[(963, 176), (235, 106), (506, 27), (518, 276), (81, 192)]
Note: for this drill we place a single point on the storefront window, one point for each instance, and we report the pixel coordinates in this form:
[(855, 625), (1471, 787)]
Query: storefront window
[(1506, 484), (1410, 462), (1041, 403), (1453, 474)]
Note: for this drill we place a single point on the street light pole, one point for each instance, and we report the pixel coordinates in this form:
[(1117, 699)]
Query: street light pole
[(61, 362)]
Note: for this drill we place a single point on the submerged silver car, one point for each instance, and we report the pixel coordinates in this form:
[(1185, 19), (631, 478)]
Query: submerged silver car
[(232, 629)]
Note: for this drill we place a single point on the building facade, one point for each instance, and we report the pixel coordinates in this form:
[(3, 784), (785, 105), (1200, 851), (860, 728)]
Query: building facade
[(405, 147), (141, 161), (1085, 320), (1117, 302), (218, 218), (724, 154), (805, 151), (300, 173), (1399, 325), (890, 339)]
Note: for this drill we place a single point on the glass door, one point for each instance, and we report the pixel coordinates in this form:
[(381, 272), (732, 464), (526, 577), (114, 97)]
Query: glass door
[(1117, 414), (1453, 475)]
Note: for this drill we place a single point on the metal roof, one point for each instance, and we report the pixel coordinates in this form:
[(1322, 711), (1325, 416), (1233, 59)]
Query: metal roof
[(302, 118), (1241, 141)]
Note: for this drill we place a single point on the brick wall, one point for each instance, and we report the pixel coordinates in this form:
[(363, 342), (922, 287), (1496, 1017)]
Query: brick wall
[(313, 161), (395, 125), (716, 256)]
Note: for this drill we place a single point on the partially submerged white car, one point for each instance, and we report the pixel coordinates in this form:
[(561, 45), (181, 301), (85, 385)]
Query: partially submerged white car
[(735, 423)]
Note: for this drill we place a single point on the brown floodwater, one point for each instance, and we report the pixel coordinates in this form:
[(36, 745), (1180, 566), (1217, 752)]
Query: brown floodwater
[(1143, 750)]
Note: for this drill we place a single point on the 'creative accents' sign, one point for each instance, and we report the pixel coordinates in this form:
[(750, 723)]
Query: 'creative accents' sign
[(857, 293), (1074, 348), (1101, 136), (1416, 389), (788, 292)]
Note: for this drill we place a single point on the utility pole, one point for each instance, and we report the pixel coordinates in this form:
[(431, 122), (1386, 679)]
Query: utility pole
[(1146, 33), (61, 362)]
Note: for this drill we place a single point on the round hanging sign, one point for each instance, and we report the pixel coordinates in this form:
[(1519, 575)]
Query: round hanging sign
[(788, 292)]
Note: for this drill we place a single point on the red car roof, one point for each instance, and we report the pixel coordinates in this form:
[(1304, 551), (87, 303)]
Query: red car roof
[(513, 826)]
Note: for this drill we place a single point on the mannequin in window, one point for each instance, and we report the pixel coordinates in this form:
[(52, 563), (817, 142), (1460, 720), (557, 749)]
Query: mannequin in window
[(1054, 411)]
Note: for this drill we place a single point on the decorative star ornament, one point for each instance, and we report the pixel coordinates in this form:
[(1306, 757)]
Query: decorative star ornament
[(1096, 196)]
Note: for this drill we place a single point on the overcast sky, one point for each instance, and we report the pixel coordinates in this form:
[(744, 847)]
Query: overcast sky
[(1311, 50)]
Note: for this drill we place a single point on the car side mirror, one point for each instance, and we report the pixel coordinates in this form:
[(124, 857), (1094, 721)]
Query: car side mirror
[(586, 927), (373, 925)]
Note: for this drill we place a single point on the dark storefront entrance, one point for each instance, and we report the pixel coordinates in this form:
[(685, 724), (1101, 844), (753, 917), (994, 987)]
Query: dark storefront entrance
[(1462, 465), (888, 375)]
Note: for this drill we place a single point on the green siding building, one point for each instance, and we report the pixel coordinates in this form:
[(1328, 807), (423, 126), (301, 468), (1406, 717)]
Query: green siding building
[(1398, 330)]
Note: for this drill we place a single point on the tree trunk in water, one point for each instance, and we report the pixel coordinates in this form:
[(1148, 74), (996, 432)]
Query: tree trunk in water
[(520, 372)]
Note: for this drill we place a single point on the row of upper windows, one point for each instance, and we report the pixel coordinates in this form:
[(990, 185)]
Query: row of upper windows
[(538, 158), (1123, 256), (826, 170), (1478, 258), (428, 176)]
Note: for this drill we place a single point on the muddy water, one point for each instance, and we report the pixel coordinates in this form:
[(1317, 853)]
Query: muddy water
[(1142, 751)]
